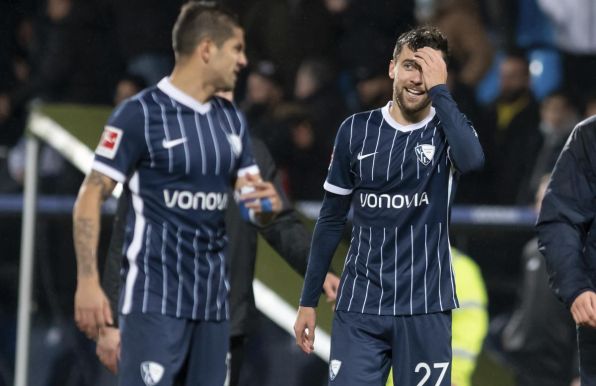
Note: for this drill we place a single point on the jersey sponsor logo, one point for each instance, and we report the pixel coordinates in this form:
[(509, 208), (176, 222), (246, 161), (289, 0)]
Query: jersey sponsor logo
[(425, 153), (334, 367), (151, 372), (235, 144), (109, 142), (396, 201), (184, 199), (361, 156), (174, 142)]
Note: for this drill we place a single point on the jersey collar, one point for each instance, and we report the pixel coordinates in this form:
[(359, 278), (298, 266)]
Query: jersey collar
[(180, 96), (406, 128)]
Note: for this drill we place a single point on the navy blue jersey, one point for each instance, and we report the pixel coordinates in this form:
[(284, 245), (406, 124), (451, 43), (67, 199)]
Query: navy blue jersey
[(178, 158), (400, 180)]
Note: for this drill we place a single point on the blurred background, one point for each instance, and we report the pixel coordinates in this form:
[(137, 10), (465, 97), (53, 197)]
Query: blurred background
[(521, 70)]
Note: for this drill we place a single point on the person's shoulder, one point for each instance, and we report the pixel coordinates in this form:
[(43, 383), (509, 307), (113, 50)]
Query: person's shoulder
[(584, 131), (130, 110), (587, 124)]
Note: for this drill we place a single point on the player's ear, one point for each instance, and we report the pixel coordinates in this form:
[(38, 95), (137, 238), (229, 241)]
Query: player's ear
[(392, 65), (204, 50)]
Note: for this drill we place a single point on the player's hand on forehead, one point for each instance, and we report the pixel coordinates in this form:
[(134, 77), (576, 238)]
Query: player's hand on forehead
[(432, 65)]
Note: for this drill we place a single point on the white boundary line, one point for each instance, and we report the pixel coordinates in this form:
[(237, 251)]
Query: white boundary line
[(64, 143), (279, 311)]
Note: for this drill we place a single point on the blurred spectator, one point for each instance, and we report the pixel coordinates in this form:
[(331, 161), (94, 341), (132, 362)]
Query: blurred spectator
[(573, 21), (302, 156), (77, 63), (558, 116), (286, 31), (471, 51), (143, 31), (315, 88), (509, 134), (128, 86), (590, 106), (538, 341), (264, 93), (470, 47), (501, 17), (366, 33)]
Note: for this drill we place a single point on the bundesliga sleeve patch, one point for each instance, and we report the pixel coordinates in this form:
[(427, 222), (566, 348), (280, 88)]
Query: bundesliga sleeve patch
[(109, 142)]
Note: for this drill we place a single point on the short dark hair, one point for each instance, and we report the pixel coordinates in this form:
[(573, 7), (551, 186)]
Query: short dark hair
[(424, 36), (198, 20)]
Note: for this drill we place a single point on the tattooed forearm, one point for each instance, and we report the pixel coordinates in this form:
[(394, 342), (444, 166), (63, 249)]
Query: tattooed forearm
[(85, 239), (99, 180)]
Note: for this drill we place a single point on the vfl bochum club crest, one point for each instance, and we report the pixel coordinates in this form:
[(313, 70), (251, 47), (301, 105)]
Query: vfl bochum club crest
[(425, 153), (151, 372), (334, 366)]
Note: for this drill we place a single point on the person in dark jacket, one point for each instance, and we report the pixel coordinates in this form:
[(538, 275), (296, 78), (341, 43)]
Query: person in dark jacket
[(567, 238), (286, 234)]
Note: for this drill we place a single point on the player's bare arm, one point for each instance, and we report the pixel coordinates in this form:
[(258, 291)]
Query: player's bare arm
[(304, 328), (583, 309), (92, 310), (432, 65)]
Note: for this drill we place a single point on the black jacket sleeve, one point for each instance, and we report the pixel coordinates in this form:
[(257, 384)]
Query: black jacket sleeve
[(111, 274), (286, 234), (567, 213), (465, 150)]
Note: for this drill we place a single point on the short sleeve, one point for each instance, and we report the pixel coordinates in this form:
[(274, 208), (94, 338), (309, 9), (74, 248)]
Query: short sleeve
[(122, 142), (246, 160), (340, 179)]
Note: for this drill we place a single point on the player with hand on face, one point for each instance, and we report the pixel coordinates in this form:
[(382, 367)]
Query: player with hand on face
[(397, 168)]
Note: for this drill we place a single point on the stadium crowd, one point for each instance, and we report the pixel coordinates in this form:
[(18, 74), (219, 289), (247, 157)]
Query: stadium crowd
[(521, 70)]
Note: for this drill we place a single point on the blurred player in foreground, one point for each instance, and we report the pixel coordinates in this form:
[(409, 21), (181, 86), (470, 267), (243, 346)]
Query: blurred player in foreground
[(176, 147)]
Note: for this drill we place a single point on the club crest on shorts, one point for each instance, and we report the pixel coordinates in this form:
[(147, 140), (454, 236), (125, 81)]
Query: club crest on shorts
[(425, 153), (235, 144), (334, 367), (151, 372)]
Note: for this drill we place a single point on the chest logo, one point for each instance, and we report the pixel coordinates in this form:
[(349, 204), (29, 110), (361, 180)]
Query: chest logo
[(425, 153), (235, 144), (151, 372), (174, 142), (361, 156)]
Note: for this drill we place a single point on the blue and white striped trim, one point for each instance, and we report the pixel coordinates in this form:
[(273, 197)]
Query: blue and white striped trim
[(136, 244), (108, 171), (336, 189)]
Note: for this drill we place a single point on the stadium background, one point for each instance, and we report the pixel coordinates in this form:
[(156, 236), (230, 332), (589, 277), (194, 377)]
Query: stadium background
[(312, 62)]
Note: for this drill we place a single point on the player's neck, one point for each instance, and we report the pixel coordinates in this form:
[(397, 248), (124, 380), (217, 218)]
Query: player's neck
[(186, 79), (404, 118)]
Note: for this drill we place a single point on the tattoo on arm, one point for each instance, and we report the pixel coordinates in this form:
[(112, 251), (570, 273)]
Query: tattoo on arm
[(98, 179), (85, 234)]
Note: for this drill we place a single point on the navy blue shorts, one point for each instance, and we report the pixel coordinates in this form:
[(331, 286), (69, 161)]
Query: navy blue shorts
[(165, 351), (364, 347), (586, 338)]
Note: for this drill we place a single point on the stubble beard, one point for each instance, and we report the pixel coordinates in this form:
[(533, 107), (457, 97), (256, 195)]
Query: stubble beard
[(409, 110)]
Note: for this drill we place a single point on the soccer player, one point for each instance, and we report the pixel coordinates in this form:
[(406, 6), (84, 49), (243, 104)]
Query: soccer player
[(567, 238), (285, 233), (177, 148), (397, 167)]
